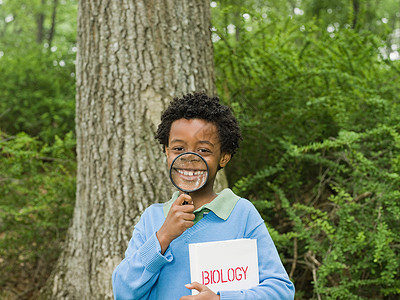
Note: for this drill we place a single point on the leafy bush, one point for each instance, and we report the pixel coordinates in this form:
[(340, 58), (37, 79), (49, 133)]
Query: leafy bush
[(320, 159), (37, 192), (342, 229), (37, 97), (37, 83), (299, 85)]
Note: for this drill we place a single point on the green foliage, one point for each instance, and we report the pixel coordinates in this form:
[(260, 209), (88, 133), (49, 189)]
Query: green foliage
[(318, 102), (37, 192), (37, 84), (37, 168), (346, 220), (290, 87), (37, 97), (320, 160)]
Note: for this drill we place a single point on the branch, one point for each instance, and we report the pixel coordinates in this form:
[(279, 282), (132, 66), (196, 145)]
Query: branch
[(314, 264)]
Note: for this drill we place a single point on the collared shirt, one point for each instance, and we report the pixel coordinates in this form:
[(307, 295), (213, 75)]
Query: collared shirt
[(222, 205), (145, 273)]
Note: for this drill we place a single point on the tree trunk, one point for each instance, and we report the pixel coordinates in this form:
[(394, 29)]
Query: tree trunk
[(133, 58), (40, 24), (356, 11), (53, 23)]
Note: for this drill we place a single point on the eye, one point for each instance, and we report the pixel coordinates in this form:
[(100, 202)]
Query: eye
[(177, 148), (203, 150)]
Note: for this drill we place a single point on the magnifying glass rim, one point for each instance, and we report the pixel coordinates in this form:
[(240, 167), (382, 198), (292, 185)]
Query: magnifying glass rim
[(170, 172)]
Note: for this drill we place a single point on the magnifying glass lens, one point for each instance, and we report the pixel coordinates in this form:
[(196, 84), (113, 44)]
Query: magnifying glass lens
[(189, 172)]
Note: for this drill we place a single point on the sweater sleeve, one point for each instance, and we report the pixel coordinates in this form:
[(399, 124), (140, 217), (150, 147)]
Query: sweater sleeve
[(274, 281), (135, 276)]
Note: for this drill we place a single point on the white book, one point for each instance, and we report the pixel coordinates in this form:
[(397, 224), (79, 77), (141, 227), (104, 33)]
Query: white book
[(224, 265)]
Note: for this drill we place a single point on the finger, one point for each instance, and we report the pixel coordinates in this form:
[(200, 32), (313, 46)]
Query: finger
[(186, 298), (188, 224), (184, 212), (183, 198), (188, 208), (197, 286), (189, 216), (190, 287)]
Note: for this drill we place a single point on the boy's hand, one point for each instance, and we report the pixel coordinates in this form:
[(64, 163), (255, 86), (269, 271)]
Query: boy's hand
[(180, 217), (204, 292)]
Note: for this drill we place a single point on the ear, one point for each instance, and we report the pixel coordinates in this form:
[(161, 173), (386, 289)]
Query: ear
[(166, 150), (225, 158)]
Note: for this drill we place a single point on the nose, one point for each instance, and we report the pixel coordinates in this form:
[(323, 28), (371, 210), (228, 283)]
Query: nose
[(190, 158)]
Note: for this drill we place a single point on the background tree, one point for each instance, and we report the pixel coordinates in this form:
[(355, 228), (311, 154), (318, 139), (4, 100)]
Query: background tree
[(37, 145), (318, 102), (37, 51), (316, 90), (133, 57)]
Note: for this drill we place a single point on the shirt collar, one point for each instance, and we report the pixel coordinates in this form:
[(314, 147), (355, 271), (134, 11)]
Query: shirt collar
[(222, 205)]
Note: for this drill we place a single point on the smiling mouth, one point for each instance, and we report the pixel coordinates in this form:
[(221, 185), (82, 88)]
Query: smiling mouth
[(190, 172)]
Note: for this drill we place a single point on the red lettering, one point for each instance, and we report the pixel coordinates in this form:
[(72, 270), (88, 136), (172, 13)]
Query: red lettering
[(233, 275), (207, 277), (237, 274), (219, 276), (222, 277), (245, 271)]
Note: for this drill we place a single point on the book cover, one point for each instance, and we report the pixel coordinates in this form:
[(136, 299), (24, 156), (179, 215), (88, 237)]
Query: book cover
[(224, 265)]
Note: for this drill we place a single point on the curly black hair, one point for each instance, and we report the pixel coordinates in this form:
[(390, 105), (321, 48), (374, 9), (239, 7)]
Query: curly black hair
[(200, 106)]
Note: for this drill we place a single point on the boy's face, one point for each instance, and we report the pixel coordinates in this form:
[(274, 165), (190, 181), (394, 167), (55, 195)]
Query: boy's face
[(200, 136)]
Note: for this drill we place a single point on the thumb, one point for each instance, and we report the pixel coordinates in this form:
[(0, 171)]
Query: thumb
[(197, 286)]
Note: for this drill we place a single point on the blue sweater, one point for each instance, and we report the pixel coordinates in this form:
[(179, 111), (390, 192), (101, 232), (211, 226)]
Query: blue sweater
[(147, 274)]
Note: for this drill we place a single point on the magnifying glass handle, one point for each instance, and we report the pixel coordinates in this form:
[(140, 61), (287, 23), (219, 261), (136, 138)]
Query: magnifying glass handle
[(185, 202)]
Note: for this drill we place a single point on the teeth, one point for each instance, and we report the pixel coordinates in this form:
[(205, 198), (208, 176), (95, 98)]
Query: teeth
[(191, 173)]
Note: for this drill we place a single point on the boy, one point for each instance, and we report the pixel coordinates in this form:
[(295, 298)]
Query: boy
[(156, 264)]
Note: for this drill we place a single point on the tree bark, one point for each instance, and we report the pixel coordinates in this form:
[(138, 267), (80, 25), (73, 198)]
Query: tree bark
[(53, 23), (356, 11), (133, 58), (40, 24)]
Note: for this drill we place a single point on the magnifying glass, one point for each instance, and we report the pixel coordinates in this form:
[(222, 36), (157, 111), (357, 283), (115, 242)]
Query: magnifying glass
[(189, 172)]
